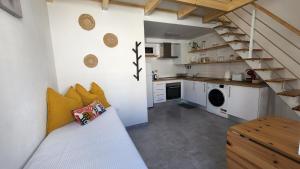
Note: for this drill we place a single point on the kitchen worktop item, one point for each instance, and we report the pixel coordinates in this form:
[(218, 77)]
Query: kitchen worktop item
[(237, 77), (227, 75)]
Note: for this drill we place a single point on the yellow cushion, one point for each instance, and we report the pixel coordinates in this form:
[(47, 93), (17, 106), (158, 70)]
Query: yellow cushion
[(97, 90), (87, 98), (59, 110), (72, 93)]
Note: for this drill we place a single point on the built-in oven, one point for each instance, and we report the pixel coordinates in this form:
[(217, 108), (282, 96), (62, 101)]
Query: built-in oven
[(173, 90)]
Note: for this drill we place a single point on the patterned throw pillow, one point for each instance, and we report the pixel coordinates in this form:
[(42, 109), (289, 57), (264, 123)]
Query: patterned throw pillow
[(86, 114)]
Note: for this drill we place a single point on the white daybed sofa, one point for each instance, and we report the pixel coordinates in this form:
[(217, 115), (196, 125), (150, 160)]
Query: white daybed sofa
[(102, 144)]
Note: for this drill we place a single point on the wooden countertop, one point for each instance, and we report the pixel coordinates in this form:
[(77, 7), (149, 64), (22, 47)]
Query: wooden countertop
[(278, 134), (215, 80)]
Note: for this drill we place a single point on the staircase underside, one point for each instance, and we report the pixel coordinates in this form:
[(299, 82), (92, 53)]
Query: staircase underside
[(239, 41)]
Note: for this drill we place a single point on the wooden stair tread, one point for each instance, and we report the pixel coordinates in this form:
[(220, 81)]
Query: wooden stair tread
[(257, 59), (222, 21), (225, 26), (269, 69), (233, 33), (246, 49), (238, 41), (290, 93), (297, 108), (280, 80)]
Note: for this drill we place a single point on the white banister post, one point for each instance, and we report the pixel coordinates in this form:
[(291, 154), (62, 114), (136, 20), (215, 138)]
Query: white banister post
[(252, 33)]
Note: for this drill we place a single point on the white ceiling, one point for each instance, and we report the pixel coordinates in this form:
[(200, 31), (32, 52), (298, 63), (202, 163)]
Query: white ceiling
[(173, 31)]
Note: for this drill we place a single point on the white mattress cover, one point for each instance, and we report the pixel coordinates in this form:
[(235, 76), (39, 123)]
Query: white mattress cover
[(101, 144)]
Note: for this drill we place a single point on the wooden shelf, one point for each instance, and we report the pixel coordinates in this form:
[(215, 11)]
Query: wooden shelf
[(233, 33), (254, 59), (209, 48), (217, 62), (290, 93), (280, 80), (238, 41), (269, 69), (246, 49), (225, 26)]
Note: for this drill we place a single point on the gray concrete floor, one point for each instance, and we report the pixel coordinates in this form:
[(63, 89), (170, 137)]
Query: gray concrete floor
[(179, 138)]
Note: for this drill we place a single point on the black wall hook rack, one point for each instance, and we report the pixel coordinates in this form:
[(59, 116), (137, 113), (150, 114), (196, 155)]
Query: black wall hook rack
[(136, 63)]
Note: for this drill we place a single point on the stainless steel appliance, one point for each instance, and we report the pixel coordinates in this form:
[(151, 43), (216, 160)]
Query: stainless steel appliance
[(173, 90), (151, 49)]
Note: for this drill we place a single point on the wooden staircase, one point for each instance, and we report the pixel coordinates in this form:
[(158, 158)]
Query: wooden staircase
[(263, 64)]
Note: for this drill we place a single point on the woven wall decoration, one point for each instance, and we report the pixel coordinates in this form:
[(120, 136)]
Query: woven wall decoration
[(110, 40), (86, 22), (90, 61)]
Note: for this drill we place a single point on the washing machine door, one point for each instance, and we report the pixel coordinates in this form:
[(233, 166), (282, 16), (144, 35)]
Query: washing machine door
[(216, 97)]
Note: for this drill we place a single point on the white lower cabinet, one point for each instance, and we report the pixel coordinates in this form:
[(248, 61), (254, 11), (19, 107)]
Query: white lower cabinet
[(201, 93), (159, 92), (188, 89), (195, 92), (247, 103)]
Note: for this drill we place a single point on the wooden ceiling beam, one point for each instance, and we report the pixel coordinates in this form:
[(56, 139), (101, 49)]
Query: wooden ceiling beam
[(205, 3), (105, 4), (185, 10), (150, 6), (234, 4), (212, 16)]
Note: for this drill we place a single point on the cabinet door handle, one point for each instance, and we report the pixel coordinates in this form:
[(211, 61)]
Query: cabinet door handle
[(204, 87), (229, 91)]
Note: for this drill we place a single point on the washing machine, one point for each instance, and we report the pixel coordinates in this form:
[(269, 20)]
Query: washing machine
[(217, 99)]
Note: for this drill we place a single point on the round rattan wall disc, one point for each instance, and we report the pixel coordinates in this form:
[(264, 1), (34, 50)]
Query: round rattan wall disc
[(90, 61), (86, 21), (110, 40)]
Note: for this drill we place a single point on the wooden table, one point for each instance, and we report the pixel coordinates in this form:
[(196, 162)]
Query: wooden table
[(267, 143)]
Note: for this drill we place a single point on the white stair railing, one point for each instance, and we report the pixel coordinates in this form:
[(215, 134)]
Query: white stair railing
[(251, 44)]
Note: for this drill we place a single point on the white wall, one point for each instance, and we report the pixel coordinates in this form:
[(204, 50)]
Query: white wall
[(165, 67), (26, 70), (115, 69), (215, 70)]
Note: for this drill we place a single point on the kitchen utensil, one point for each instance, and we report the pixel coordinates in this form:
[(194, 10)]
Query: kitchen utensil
[(237, 77)]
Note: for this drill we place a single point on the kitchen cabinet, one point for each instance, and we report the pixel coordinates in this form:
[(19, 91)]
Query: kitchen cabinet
[(159, 92), (188, 91), (247, 103), (200, 89), (195, 92)]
